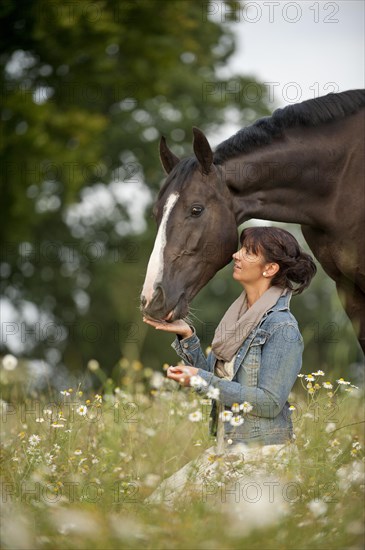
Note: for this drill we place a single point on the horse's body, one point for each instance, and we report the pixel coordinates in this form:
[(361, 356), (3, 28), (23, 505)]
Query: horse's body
[(304, 165)]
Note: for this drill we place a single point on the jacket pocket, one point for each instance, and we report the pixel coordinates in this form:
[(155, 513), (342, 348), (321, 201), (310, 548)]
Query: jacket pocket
[(252, 361)]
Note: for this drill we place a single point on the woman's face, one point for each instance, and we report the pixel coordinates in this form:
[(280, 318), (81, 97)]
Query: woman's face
[(248, 267)]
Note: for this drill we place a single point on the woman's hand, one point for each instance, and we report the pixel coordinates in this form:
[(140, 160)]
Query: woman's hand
[(179, 326), (181, 374)]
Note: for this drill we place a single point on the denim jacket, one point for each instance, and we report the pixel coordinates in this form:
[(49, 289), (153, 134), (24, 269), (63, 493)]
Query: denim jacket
[(265, 369)]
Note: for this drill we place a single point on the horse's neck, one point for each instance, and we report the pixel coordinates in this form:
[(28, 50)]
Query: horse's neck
[(289, 180)]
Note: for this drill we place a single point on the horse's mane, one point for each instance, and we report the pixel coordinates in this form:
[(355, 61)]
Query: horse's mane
[(312, 112)]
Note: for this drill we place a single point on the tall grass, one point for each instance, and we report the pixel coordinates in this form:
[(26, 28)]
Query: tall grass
[(76, 468)]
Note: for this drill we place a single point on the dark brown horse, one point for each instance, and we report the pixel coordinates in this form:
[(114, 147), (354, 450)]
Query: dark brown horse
[(304, 164)]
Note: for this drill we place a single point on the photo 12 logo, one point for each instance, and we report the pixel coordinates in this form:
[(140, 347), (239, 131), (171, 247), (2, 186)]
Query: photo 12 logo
[(254, 12), (251, 93)]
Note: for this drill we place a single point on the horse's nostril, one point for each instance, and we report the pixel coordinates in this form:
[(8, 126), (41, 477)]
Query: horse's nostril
[(159, 292), (143, 301)]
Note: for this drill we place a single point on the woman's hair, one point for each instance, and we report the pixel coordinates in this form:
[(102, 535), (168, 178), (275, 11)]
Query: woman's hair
[(278, 245)]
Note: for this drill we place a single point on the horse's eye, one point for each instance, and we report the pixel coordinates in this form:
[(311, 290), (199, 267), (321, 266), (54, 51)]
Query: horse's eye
[(196, 210)]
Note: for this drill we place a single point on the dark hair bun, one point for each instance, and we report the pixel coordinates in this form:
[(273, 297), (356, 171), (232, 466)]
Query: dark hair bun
[(297, 268)]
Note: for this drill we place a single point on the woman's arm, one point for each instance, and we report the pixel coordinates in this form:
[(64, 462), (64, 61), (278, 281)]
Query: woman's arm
[(281, 361), (186, 343)]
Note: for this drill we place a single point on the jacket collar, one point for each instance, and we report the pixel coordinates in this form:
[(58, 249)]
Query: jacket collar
[(282, 304)]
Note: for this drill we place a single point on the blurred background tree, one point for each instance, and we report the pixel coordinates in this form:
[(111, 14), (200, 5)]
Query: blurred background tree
[(88, 89)]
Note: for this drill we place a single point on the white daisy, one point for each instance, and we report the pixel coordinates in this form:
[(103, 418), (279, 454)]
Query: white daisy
[(195, 416), (34, 440), (10, 362), (246, 407), (343, 382), (213, 393), (236, 421), (197, 382), (225, 416), (82, 410)]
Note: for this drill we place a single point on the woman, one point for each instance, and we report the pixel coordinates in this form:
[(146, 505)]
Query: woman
[(257, 347)]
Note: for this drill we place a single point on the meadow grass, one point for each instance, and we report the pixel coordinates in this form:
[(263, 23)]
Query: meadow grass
[(76, 467)]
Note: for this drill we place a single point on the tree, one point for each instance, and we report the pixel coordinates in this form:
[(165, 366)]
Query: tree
[(88, 88)]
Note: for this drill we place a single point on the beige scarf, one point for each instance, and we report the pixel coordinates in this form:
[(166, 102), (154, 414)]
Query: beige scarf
[(236, 324)]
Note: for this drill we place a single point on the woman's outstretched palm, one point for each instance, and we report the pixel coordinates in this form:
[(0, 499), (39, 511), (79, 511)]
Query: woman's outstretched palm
[(179, 326)]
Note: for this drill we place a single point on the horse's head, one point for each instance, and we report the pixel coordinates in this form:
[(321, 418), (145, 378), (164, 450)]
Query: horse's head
[(197, 231)]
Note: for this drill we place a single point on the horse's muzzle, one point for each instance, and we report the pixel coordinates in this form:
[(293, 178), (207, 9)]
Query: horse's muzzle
[(161, 309)]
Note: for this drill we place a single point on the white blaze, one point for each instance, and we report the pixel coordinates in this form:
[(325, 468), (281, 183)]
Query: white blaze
[(155, 264)]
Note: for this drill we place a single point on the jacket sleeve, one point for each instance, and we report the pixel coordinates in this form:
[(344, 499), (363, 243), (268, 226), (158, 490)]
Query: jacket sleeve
[(281, 361), (190, 351)]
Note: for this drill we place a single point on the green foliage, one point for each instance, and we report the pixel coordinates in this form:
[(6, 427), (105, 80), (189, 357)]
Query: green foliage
[(88, 89)]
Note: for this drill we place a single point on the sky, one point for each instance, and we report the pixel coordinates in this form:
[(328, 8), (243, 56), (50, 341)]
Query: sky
[(301, 49), (321, 50)]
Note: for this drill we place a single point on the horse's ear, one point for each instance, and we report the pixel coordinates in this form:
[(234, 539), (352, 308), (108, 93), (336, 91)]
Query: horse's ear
[(202, 150), (168, 159)]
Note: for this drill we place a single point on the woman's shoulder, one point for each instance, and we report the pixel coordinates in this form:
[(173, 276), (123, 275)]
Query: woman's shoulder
[(277, 318)]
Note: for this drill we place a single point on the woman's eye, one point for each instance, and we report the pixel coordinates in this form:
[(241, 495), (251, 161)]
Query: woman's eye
[(196, 210)]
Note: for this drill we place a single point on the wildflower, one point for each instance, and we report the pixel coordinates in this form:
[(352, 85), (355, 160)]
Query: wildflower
[(300, 375), (34, 440), (327, 385), (246, 407), (93, 365), (331, 426), (82, 410), (64, 392), (151, 480), (291, 408), (80, 393), (318, 373), (235, 408), (10, 362), (311, 391), (78, 452), (229, 441), (157, 380), (197, 382), (98, 398), (309, 385), (55, 425), (195, 416), (330, 394), (356, 445), (236, 421), (343, 382), (317, 386), (317, 507), (213, 393), (95, 460), (309, 377), (225, 416), (334, 443), (40, 420)]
